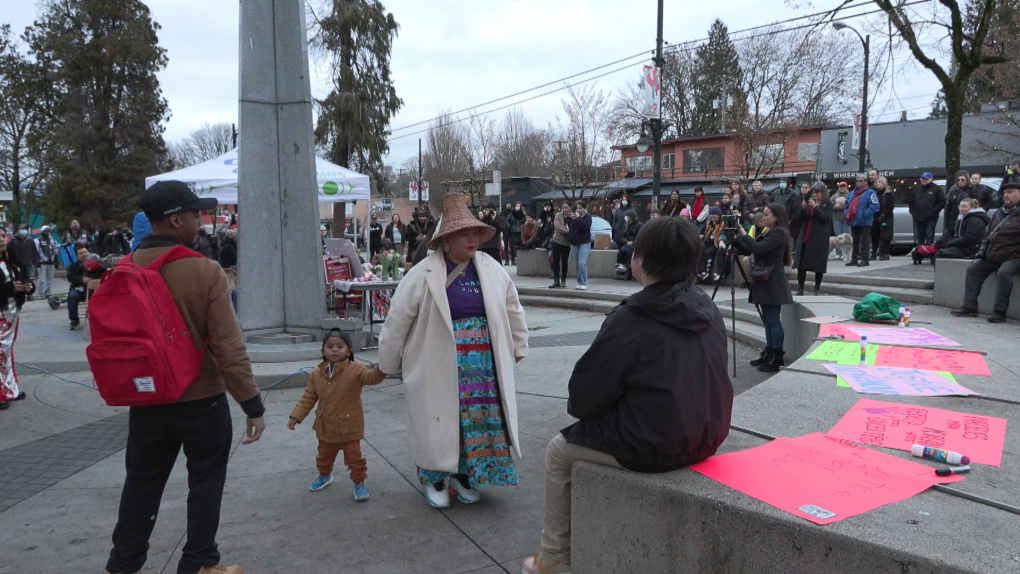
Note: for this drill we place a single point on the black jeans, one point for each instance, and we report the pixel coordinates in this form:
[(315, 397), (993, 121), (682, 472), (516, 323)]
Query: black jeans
[(155, 437), (978, 271), (862, 243), (561, 256)]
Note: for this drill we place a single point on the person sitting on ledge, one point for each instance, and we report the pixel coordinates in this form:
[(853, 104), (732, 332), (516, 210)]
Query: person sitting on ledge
[(999, 254), (969, 230), (529, 233), (642, 404)]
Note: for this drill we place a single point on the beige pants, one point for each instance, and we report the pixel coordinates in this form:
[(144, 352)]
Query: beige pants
[(560, 457)]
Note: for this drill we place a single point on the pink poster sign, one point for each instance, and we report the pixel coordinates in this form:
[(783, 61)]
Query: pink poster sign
[(898, 381), (959, 362), (826, 331), (900, 426), (897, 336), (820, 479)]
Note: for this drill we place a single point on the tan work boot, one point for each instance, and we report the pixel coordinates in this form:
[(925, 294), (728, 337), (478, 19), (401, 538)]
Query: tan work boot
[(233, 569)]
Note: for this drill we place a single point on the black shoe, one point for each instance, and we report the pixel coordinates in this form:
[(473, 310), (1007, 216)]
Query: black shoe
[(800, 290), (775, 361), (555, 285), (997, 318), (74, 324), (5, 405), (21, 396), (851, 263), (863, 263), (964, 312), (763, 357), (817, 292), (883, 258), (54, 303)]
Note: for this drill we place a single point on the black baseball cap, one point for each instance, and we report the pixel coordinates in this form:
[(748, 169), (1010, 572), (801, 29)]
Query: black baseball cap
[(165, 198)]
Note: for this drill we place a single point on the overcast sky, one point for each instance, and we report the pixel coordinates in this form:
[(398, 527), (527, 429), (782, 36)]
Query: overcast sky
[(453, 54)]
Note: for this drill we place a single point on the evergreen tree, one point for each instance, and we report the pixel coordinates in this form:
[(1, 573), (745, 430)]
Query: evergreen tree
[(353, 121), (716, 74), (101, 57)]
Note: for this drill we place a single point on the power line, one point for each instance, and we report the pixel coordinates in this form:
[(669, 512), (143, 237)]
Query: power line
[(685, 46)]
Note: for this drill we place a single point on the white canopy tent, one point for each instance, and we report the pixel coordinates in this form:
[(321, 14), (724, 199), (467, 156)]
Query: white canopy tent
[(217, 178)]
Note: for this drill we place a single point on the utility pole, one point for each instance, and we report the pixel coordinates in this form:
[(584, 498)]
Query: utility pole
[(864, 109), (421, 192), (233, 133), (656, 123)]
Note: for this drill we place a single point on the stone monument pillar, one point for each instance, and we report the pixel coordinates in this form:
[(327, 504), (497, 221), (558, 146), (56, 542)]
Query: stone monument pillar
[(280, 273)]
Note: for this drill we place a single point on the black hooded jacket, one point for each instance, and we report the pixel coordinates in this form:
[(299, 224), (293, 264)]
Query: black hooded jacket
[(970, 232), (652, 390)]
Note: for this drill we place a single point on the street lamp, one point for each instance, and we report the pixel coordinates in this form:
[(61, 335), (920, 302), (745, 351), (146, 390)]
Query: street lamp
[(863, 151)]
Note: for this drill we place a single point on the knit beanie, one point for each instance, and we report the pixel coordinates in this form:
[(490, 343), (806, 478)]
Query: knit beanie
[(343, 337), (631, 213)]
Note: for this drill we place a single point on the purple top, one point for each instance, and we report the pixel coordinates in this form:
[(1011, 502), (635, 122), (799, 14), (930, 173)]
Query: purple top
[(465, 293)]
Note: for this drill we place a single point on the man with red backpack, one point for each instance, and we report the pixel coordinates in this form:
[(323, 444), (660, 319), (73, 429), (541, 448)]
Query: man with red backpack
[(200, 420)]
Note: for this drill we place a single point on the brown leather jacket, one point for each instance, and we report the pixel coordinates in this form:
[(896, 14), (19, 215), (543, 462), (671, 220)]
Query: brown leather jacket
[(199, 288), (340, 416)]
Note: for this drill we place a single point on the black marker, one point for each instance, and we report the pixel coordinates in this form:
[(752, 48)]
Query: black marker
[(952, 470)]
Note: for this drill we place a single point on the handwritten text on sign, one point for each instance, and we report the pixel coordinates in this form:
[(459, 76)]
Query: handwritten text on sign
[(820, 479), (843, 353), (842, 331), (960, 362), (897, 336), (898, 381), (900, 426)]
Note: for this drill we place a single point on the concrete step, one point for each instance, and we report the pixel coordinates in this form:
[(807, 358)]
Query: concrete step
[(915, 296), (854, 279), (749, 329), (571, 293)]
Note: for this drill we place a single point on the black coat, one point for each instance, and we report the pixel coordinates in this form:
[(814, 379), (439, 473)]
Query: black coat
[(969, 233), (652, 390), (926, 201), (813, 255), (884, 217), (767, 249)]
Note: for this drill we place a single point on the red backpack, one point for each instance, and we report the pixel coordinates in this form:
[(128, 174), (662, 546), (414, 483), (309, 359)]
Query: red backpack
[(141, 352)]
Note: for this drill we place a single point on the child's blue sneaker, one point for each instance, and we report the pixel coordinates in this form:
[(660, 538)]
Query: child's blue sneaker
[(360, 492), (320, 483)]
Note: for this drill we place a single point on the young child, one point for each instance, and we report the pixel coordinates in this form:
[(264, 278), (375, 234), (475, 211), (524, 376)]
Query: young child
[(339, 420)]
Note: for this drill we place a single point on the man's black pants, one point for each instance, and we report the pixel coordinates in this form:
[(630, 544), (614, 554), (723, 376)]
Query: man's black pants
[(978, 272), (155, 437), (862, 243)]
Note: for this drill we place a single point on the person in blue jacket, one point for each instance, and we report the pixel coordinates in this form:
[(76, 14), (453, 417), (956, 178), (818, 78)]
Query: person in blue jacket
[(141, 228), (861, 206)]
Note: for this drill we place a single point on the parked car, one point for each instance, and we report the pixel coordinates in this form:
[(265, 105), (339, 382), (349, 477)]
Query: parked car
[(903, 224)]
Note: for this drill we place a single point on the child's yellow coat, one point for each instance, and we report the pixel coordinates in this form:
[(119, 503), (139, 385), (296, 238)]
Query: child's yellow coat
[(340, 417)]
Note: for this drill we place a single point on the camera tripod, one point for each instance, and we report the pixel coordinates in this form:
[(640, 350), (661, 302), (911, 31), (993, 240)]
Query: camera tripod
[(730, 257)]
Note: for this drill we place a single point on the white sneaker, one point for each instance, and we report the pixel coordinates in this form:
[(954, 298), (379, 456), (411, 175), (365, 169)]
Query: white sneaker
[(582, 287), (578, 286), (621, 266), (465, 493), (438, 498)]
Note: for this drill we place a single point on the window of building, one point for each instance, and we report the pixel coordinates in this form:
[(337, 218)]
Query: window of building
[(639, 163), (709, 159), (766, 158), (668, 160)]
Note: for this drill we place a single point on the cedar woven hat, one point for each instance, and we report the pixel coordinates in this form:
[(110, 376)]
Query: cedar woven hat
[(455, 217)]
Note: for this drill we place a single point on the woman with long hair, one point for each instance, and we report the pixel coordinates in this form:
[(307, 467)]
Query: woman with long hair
[(812, 252), (396, 232), (770, 289), (739, 198), (674, 206), (882, 230)]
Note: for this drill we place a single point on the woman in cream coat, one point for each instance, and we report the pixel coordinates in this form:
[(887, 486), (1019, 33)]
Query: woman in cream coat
[(456, 324)]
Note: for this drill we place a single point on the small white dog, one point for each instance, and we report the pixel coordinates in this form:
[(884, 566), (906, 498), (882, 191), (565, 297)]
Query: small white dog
[(844, 242)]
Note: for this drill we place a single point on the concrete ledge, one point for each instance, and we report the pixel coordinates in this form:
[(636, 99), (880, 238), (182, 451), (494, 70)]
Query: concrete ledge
[(800, 336), (535, 263), (950, 279)]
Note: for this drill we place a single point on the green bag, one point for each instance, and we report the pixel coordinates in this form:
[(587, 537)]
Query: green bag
[(877, 307)]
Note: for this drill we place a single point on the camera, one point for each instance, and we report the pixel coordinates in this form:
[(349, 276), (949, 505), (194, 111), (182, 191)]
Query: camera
[(731, 222)]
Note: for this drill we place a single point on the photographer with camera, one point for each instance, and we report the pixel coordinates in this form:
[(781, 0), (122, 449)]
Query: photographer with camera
[(812, 253), (770, 289), (579, 237), (494, 245)]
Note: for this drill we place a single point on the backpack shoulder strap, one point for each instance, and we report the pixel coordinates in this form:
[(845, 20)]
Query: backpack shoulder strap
[(173, 254)]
